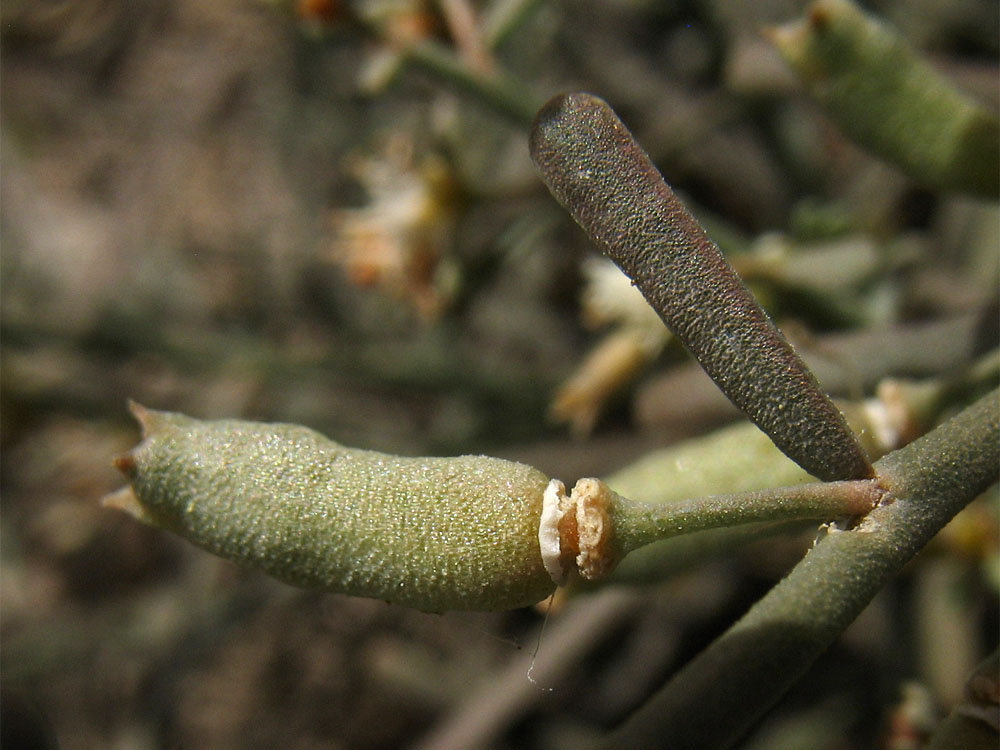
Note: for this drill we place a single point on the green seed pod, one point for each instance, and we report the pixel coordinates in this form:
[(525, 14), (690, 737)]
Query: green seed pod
[(884, 96), (432, 533), (436, 534)]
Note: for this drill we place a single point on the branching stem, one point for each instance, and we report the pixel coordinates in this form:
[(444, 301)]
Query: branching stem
[(746, 670)]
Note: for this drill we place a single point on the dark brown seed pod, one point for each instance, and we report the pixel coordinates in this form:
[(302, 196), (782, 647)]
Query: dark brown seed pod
[(595, 168)]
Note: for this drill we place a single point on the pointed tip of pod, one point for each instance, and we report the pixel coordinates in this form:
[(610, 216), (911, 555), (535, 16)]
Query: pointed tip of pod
[(127, 463), (149, 419), (787, 38), (137, 410), (824, 12), (794, 39), (560, 104), (127, 501)]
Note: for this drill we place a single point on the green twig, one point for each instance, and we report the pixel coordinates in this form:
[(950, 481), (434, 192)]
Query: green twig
[(638, 524), (596, 527), (745, 671), (504, 18), (881, 94), (496, 91)]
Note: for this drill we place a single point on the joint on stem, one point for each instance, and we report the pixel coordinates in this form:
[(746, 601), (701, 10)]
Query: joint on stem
[(575, 533)]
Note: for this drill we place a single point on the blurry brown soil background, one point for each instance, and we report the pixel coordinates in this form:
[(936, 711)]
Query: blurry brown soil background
[(240, 209)]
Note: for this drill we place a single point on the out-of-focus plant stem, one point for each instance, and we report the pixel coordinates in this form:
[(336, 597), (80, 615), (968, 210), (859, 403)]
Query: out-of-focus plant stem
[(719, 695), (495, 90), (844, 363), (974, 724), (502, 19), (885, 97)]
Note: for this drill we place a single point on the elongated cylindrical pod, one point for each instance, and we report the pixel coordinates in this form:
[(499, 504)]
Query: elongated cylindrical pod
[(595, 168), (472, 532), (432, 533)]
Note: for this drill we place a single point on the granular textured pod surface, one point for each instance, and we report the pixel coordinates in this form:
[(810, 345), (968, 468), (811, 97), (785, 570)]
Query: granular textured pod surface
[(436, 534), (596, 169)]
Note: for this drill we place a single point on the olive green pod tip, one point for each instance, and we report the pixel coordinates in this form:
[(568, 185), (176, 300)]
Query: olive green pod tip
[(125, 463), (150, 420), (793, 39), (126, 501), (789, 39)]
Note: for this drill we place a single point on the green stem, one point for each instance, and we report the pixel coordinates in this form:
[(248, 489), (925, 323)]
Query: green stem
[(638, 524), (885, 97), (504, 18), (497, 91), (725, 689)]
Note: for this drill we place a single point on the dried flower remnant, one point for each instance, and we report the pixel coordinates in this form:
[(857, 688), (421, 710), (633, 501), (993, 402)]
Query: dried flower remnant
[(637, 337), (398, 241)]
